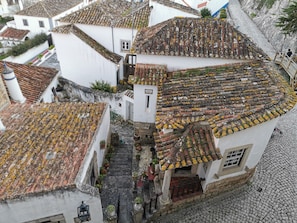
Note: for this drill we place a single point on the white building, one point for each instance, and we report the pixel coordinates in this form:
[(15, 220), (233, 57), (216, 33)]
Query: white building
[(43, 15), (212, 102), (56, 163), (98, 57)]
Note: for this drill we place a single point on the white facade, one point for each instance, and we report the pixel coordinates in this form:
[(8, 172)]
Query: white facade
[(82, 64), (213, 5), (161, 13), (51, 204), (179, 63), (48, 96), (38, 25), (110, 37), (257, 136), (145, 102)]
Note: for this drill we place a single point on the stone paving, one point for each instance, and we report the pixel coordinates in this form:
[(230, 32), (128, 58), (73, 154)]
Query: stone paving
[(272, 195), (117, 185)]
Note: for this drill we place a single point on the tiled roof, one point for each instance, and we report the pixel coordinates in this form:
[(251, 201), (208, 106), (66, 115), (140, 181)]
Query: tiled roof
[(115, 58), (14, 33), (49, 8), (148, 74), (33, 80), (116, 13), (129, 94), (230, 98), (180, 7), (43, 146), (185, 148), (194, 37)]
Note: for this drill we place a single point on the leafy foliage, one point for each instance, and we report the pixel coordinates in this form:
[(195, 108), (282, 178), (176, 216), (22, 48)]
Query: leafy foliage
[(288, 21), (28, 44), (4, 20), (205, 13), (101, 86), (267, 3), (223, 14)]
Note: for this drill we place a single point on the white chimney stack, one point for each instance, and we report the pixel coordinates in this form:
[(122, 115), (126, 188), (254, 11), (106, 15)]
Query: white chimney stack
[(13, 85), (2, 127)]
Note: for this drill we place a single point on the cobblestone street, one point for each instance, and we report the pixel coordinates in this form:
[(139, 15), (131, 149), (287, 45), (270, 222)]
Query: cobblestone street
[(271, 197)]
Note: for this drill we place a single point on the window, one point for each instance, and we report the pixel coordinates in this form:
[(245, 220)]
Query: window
[(25, 22), (125, 45), (147, 101), (41, 24), (234, 159)]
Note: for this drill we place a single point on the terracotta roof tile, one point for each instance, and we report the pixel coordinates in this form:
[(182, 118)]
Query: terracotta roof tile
[(33, 80), (41, 142), (192, 146), (148, 74), (180, 7), (115, 58), (116, 13), (14, 33), (194, 37), (231, 98), (49, 8)]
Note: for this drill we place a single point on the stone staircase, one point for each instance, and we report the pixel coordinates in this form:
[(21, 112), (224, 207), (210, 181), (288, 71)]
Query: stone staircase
[(117, 185)]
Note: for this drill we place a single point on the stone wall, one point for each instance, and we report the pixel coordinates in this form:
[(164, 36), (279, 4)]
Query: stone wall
[(145, 132), (266, 18)]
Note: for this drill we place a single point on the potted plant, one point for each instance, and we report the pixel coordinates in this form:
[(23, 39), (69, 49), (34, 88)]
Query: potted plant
[(110, 211), (138, 203), (102, 144)]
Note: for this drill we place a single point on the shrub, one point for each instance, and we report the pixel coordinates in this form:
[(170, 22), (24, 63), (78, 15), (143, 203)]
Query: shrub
[(101, 86), (223, 14), (24, 47), (205, 13), (253, 15)]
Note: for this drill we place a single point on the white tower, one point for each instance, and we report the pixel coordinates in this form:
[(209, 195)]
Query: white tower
[(13, 85)]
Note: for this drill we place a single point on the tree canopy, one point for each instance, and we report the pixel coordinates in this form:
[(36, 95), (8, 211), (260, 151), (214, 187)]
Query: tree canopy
[(288, 20)]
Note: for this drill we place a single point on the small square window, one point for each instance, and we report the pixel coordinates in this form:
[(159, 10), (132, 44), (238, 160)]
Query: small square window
[(25, 22), (125, 45), (41, 24)]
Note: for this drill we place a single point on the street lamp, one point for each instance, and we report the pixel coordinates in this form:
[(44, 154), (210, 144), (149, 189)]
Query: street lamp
[(83, 212)]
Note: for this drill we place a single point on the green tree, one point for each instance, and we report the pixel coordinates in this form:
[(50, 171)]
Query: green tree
[(205, 13), (288, 20)]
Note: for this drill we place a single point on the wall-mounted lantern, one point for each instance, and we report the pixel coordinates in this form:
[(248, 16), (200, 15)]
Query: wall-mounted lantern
[(83, 212)]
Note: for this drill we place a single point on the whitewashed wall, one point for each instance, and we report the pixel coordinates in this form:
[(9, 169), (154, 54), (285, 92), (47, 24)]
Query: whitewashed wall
[(258, 136), (33, 24), (141, 112), (101, 134), (104, 36), (179, 63), (47, 95), (46, 205), (162, 13), (25, 57), (82, 64)]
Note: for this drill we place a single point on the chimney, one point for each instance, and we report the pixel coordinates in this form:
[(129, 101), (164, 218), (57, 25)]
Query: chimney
[(13, 85), (2, 127)]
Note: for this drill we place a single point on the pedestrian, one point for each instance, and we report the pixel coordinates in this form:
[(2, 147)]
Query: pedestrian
[(151, 172), (289, 53)]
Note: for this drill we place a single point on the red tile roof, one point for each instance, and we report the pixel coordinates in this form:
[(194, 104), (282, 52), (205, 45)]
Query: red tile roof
[(66, 29), (194, 37), (14, 33), (49, 8), (148, 74), (33, 80), (43, 146), (112, 13), (192, 146), (231, 98)]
